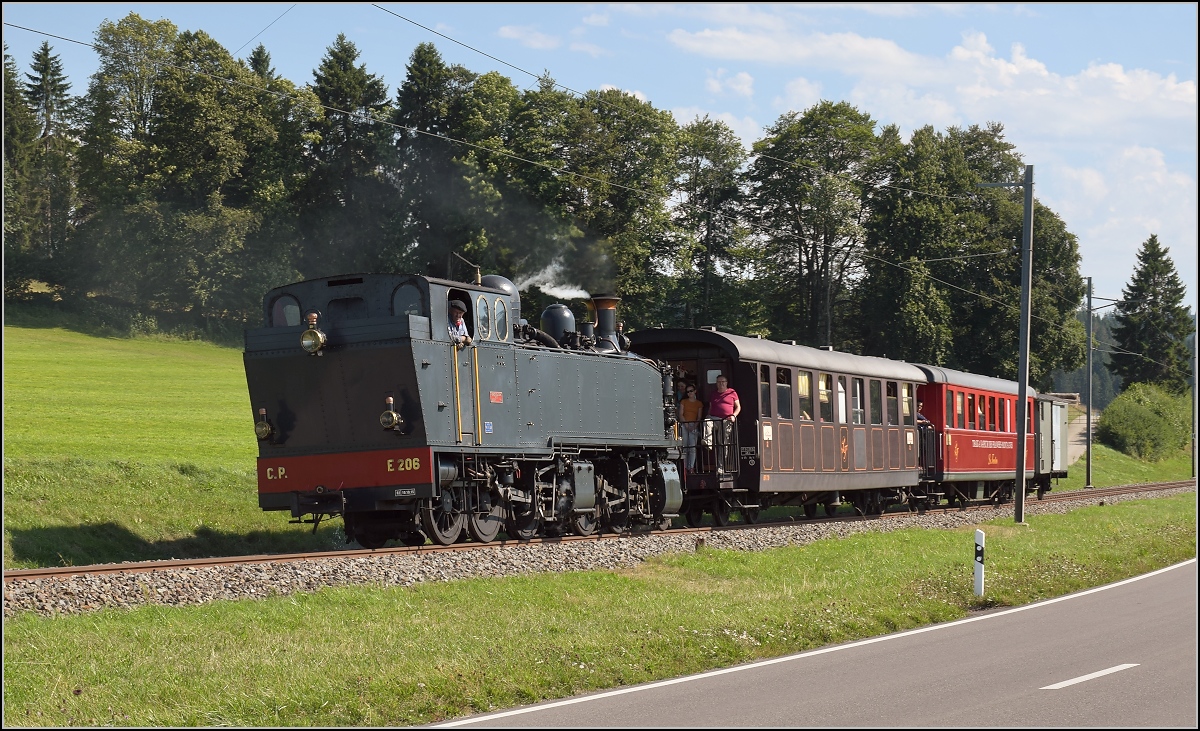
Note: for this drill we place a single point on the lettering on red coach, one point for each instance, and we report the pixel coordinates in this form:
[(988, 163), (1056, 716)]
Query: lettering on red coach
[(276, 473)]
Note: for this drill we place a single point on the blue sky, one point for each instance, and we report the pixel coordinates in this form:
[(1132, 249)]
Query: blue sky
[(1099, 98)]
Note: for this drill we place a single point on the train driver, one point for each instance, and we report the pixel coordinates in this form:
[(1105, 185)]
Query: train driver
[(458, 329)]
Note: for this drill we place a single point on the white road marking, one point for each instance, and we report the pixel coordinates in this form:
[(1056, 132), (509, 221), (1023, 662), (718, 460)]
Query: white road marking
[(1090, 676), (802, 655)]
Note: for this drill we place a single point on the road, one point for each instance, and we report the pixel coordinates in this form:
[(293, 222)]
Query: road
[(1119, 655)]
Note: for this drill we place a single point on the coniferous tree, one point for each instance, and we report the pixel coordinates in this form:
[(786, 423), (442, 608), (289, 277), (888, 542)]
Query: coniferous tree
[(1152, 324), (20, 137), (53, 173), (347, 203)]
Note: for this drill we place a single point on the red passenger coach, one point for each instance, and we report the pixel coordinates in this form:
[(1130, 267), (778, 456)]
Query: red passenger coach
[(974, 418)]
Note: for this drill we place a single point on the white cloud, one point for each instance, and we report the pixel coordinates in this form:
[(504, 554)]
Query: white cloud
[(529, 37), (598, 19), (1133, 194), (747, 130), (799, 94), (589, 48), (632, 92), (741, 83)]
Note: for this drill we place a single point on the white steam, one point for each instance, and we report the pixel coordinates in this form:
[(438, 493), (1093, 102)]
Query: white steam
[(548, 280)]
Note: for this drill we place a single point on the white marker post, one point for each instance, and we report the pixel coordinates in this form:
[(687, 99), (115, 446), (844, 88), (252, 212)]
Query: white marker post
[(978, 563)]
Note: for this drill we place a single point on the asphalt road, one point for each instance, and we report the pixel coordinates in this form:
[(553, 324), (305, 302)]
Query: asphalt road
[(1120, 655)]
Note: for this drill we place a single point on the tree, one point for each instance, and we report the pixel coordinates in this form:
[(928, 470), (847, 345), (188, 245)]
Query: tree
[(807, 194), (347, 203), (706, 221), (20, 136), (1152, 325)]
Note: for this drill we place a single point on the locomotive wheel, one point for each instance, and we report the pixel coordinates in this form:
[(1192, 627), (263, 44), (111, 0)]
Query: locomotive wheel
[(522, 522), (694, 515), (584, 525), (720, 512), (810, 510), (443, 517), (484, 527)]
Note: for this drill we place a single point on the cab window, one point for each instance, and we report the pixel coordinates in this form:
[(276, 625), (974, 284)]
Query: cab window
[(285, 312), (485, 317), (407, 300), (501, 320)]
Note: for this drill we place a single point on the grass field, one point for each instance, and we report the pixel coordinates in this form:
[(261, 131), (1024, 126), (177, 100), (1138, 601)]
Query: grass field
[(119, 449), (392, 656)]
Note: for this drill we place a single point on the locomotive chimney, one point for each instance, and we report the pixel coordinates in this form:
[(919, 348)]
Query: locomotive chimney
[(605, 308)]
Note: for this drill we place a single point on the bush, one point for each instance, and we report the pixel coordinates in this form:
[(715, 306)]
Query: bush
[(1146, 422)]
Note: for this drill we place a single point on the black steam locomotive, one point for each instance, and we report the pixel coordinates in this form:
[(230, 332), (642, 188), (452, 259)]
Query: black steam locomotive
[(367, 407)]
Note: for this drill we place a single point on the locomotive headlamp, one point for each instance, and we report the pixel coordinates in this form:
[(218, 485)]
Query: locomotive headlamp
[(262, 427), (390, 419), (312, 339)]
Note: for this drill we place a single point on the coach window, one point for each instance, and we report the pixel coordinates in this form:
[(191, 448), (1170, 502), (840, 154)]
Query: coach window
[(949, 408), (971, 411), (501, 320), (841, 401), (876, 402), (858, 402), (804, 391), (285, 312), (406, 300), (1002, 408), (764, 389), (893, 404), (991, 413), (958, 408), (982, 412), (907, 404), (783, 392), (826, 387), (484, 313)]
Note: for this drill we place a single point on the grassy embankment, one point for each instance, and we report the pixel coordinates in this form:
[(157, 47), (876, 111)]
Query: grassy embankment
[(388, 656), (132, 449), (127, 449)]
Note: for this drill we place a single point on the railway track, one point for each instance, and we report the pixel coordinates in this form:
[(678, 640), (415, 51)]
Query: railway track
[(176, 564)]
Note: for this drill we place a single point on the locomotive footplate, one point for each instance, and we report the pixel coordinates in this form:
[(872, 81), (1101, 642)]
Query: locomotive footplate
[(335, 502)]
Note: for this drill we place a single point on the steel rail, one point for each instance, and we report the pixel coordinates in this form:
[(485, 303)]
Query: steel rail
[(176, 564)]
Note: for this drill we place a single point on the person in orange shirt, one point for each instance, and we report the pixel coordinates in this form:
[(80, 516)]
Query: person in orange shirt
[(691, 410)]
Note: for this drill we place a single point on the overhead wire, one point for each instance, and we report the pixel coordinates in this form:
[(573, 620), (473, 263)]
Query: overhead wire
[(552, 168), (264, 30)]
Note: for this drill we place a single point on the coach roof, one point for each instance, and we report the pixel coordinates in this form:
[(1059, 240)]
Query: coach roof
[(937, 374), (769, 351)]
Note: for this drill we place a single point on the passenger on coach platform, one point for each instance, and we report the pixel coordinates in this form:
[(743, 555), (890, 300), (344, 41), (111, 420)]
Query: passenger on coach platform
[(691, 409), (724, 407)]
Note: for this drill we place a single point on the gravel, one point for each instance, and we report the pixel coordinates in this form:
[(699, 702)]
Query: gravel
[(190, 586)]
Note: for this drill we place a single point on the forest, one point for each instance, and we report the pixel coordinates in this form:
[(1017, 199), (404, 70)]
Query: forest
[(182, 183)]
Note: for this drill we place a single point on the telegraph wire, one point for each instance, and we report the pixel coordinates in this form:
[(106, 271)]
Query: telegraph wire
[(559, 171), (793, 163), (264, 30)]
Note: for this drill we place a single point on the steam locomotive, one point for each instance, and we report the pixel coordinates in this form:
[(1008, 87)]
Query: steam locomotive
[(366, 407)]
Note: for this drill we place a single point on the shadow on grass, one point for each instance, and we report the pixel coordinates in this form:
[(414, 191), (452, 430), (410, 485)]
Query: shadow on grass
[(101, 543)]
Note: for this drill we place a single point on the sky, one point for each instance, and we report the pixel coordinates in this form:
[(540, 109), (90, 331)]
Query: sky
[(1100, 98)]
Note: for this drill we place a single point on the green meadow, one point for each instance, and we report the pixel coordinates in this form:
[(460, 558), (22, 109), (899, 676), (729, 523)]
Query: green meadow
[(381, 656), (119, 449)]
